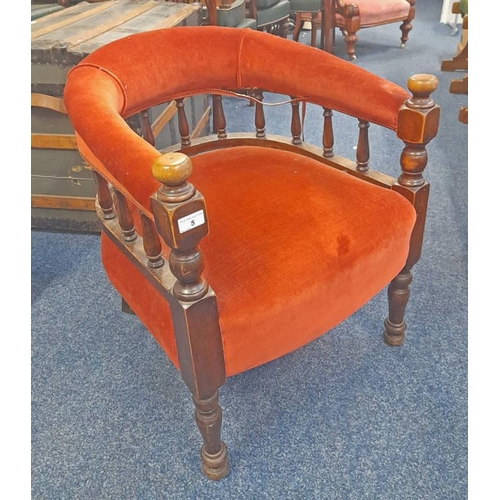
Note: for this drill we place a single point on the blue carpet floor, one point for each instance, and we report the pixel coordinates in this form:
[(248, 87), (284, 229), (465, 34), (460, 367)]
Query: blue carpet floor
[(346, 417)]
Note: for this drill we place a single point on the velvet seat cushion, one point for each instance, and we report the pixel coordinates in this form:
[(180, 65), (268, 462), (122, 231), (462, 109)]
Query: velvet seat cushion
[(374, 12), (294, 248)]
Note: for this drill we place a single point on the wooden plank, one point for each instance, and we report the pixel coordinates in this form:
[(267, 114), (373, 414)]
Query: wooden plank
[(99, 7), (164, 118), (201, 124), (62, 186), (63, 202), (47, 101), (53, 141), (156, 18), (175, 19), (46, 20), (110, 23), (60, 163)]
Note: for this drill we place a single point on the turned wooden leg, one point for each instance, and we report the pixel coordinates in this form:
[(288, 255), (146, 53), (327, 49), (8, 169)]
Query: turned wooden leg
[(350, 39), (283, 28), (398, 293), (315, 25), (195, 314), (299, 23), (214, 456), (405, 30)]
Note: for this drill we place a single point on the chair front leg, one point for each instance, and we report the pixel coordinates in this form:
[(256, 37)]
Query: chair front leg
[(214, 456), (418, 120), (405, 28), (299, 24), (351, 16), (181, 220), (398, 294)]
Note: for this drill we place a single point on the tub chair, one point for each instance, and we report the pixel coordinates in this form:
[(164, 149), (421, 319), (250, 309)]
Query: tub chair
[(237, 248)]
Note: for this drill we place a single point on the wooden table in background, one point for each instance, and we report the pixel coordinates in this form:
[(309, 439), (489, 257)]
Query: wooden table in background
[(62, 188)]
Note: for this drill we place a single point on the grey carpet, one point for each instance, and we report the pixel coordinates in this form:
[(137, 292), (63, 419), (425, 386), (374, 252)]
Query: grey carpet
[(346, 417)]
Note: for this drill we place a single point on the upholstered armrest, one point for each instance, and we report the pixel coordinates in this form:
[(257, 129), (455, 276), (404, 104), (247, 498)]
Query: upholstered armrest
[(117, 87)]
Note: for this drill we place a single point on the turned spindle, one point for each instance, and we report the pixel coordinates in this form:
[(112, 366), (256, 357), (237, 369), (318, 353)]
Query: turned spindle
[(104, 197), (363, 148), (327, 133), (151, 242), (125, 218), (260, 120), (183, 123), (417, 124), (219, 117), (296, 125), (147, 130), (398, 294)]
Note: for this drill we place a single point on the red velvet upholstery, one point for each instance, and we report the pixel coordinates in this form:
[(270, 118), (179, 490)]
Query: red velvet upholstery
[(125, 80), (294, 246), (275, 297), (353, 15), (377, 12)]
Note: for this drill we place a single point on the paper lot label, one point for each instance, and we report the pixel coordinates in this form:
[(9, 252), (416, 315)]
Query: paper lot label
[(191, 221)]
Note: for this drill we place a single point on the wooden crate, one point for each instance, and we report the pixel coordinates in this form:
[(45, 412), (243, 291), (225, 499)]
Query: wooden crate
[(62, 188)]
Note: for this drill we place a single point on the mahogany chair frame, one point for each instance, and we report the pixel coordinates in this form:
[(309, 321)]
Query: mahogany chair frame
[(178, 277), (192, 301)]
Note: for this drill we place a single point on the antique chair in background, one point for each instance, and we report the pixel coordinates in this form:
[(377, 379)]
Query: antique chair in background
[(353, 15), (231, 14), (307, 11), (272, 16), (228, 13), (238, 248)]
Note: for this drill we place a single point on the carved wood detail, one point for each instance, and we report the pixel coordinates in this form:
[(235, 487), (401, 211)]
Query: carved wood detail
[(328, 139), (183, 123), (104, 197), (363, 148)]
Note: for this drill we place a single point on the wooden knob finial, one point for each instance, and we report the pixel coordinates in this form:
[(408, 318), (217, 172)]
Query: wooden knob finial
[(421, 86), (172, 169)]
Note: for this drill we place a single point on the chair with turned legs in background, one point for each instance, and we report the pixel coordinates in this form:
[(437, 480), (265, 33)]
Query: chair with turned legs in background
[(307, 11), (272, 16), (354, 15)]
